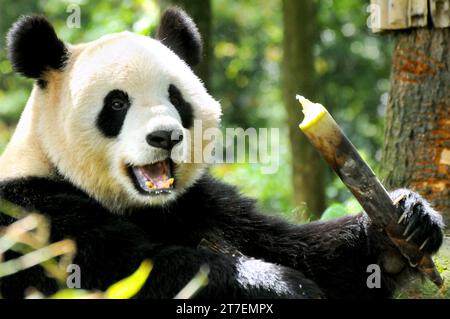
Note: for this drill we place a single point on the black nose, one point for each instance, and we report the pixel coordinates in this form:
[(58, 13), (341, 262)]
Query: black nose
[(164, 139)]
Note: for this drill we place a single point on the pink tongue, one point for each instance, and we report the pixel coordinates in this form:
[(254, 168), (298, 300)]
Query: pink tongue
[(156, 173)]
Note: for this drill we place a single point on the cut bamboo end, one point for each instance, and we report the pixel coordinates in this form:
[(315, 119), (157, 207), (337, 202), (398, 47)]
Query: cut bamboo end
[(313, 112)]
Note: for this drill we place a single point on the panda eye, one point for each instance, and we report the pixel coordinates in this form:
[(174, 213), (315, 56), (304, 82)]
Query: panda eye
[(117, 100), (174, 99), (118, 105), (183, 107), (115, 108)]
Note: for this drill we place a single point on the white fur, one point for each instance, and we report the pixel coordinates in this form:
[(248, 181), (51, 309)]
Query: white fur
[(253, 273), (58, 127)]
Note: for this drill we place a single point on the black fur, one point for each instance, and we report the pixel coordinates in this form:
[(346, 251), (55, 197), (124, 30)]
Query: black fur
[(178, 32), (115, 108), (183, 107), (33, 47), (331, 255)]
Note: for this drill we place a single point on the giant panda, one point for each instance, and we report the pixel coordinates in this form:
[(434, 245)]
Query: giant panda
[(98, 151)]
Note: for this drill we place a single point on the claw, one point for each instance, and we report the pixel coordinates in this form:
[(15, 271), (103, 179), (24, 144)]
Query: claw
[(399, 199), (412, 235), (402, 218), (407, 229), (424, 243)]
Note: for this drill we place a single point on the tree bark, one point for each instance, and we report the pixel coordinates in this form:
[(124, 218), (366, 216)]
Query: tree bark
[(201, 13), (298, 78), (416, 152)]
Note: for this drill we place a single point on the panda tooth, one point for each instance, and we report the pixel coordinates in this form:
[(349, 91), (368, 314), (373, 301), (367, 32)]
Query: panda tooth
[(150, 185), (169, 182)]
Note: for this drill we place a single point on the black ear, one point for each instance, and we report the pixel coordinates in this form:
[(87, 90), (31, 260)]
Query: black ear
[(178, 32), (33, 47)]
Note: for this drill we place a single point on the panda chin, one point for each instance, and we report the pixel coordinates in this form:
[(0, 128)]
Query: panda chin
[(153, 179)]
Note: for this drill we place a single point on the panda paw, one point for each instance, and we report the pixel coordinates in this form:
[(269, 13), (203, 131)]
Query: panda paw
[(418, 222)]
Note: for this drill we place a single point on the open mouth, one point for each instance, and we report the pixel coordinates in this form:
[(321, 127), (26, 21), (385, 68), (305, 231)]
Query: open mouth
[(153, 179)]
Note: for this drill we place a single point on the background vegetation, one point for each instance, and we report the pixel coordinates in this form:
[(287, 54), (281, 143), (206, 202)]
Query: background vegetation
[(351, 67), (245, 77)]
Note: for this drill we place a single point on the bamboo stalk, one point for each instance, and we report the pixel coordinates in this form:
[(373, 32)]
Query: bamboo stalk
[(328, 138), (37, 257)]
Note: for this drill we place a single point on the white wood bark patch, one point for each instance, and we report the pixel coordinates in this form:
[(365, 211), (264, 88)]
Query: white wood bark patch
[(440, 13), (404, 14)]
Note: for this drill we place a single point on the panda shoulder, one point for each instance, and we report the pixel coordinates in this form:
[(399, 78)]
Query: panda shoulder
[(219, 195), (39, 193)]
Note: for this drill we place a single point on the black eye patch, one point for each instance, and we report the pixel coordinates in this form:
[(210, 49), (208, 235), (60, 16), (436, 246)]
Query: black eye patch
[(115, 107), (183, 107)]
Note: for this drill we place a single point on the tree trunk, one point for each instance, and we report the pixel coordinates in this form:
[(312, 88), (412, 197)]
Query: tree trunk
[(298, 78), (417, 136), (201, 13)]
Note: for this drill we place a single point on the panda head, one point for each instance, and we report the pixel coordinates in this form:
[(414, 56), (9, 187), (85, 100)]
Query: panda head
[(113, 115)]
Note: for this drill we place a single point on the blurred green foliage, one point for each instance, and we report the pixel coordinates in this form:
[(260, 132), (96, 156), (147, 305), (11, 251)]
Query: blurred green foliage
[(352, 66), (425, 289)]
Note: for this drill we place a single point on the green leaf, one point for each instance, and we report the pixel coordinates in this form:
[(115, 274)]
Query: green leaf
[(130, 286), (71, 294), (334, 211)]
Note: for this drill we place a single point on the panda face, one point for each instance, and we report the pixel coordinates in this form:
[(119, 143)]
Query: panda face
[(114, 116), (131, 104)]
